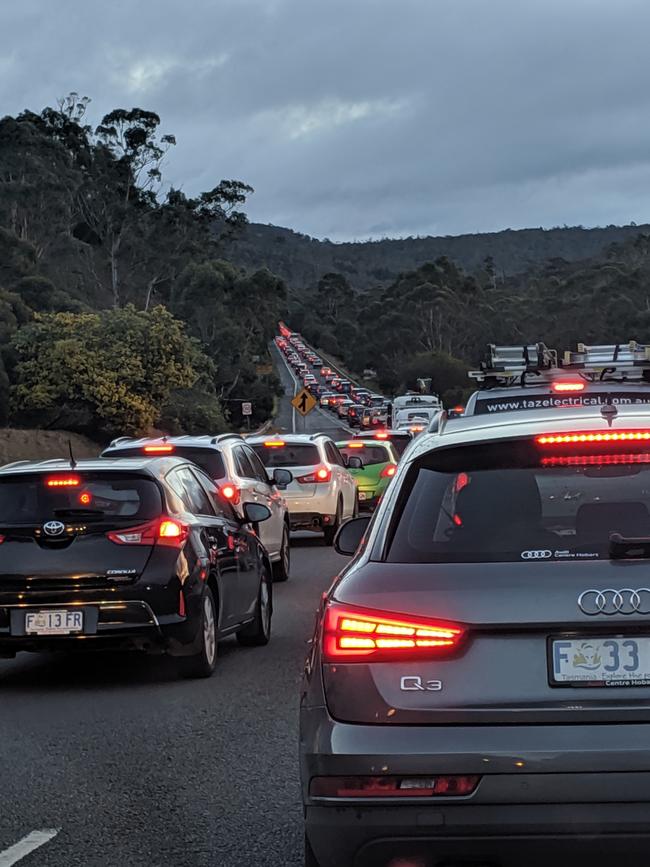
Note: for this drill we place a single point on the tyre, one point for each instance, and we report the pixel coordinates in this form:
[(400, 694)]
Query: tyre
[(282, 568), (330, 531), (310, 858), (258, 632), (203, 663)]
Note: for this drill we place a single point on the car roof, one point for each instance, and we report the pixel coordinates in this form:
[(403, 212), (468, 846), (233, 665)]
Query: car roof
[(467, 430), (156, 466), (287, 438), (205, 441)]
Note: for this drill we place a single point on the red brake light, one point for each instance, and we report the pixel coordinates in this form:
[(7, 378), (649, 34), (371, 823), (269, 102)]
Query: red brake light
[(381, 435), (393, 787), (321, 475), (162, 449), (389, 471), (63, 482), (355, 445), (231, 493), (2, 538), (585, 437), (566, 385), (85, 499), (357, 634), (594, 460), (163, 531), (274, 444)]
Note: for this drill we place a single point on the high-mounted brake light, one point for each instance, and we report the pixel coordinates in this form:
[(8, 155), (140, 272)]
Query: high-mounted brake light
[(359, 634), (449, 786), (583, 437), (563, 386), (355, 444), (231, 493), (594, 460), (162, 449), (167, 532), (63, 482), (389, 471), (381, 435), (274, 444)]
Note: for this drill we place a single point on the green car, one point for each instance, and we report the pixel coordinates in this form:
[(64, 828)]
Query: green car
[(378, 466)]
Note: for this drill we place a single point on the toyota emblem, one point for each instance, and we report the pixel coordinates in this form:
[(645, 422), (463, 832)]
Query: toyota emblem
[(624, 601), (53, 528)]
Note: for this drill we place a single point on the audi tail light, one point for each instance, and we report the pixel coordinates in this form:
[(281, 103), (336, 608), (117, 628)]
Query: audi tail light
[(167, 532), (354, 634), (230, 492), (448, 786), (389, 471), (588, 437), (567, 386), (63, 482), (319, 476)]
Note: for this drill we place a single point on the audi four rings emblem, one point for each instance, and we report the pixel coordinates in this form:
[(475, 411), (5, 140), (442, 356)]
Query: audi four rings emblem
[(625, 601), (536, 555)]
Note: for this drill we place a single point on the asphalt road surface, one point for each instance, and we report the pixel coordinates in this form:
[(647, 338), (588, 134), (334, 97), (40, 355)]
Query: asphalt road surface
[(137, 767)]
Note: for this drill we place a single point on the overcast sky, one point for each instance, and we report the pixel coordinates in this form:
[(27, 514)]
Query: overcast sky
[(360, 118)]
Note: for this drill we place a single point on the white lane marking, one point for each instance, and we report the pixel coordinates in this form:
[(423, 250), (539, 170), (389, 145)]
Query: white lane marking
[(28, 844)]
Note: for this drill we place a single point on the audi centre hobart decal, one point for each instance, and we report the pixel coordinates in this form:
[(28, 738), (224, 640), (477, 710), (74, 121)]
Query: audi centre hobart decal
[(559, 555), (624, 601), (550, 401)]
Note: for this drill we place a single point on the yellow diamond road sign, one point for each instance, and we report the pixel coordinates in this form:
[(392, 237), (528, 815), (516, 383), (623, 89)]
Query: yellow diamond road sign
[(304, 402)]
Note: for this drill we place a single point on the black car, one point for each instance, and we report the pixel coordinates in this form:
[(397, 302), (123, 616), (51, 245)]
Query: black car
[(132, 553)]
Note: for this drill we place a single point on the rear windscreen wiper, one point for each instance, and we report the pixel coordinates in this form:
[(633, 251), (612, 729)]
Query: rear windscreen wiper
[(628, 548)]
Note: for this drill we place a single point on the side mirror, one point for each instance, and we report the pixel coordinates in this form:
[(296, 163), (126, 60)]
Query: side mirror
[(255, 513), (350, 534), (355, 463), (282, 478)]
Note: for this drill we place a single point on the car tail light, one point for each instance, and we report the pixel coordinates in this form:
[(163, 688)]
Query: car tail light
[(594, 460), (163, 531), (564, 386), (449, 786), (361, 634), (2, 538), (583, 437), (274, 444), (355, 444), (63, 482), (85, 499), (381, 435), (162, 449), (389, 471), (230, 492), (319, 476)]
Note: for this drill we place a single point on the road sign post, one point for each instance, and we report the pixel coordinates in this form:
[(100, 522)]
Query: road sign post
[(247, 412), (304, 402)]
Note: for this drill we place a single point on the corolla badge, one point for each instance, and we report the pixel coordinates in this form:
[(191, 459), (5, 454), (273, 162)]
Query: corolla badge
[(53, 528)]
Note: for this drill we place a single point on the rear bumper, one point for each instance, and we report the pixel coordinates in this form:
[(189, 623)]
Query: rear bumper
[(310, 520), (510, 836), (574, 794)]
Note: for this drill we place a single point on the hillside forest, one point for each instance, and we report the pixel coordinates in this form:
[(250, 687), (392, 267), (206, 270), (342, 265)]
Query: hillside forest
[(127, 306)]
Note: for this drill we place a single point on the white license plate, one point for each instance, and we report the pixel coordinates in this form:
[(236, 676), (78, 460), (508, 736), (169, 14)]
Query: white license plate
[(54, 622), (601, 661)]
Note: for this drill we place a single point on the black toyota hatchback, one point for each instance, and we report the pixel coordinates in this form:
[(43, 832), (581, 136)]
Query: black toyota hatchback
[(128, 554)]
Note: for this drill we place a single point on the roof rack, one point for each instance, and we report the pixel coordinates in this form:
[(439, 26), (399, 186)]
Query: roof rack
[(219, 438), (119, 440), (535, 363)]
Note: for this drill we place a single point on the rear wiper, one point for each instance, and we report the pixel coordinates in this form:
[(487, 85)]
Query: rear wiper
[(628, 548)]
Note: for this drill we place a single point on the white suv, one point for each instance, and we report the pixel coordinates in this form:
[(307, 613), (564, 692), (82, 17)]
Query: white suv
[(240, 476), (322, 494)]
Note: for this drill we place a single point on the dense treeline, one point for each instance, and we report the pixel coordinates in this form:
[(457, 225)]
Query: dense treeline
[(117, 311), (435, 321)]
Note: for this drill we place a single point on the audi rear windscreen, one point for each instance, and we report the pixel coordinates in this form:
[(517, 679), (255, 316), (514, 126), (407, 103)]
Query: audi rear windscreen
[(508, 503), (35, 499)]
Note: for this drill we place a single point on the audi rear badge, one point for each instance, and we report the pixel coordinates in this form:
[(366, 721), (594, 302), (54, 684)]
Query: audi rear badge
[(609, 601)]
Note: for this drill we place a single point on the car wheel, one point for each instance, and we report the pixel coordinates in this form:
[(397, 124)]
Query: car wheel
[(310, 858), (330, 531), (282, 568), (203, 663), (258, 632)]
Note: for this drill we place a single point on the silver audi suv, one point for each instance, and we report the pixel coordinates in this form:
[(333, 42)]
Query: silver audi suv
[(478, 686)]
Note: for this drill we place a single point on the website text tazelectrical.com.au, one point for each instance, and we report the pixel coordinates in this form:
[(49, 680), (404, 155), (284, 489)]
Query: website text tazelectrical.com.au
[(550, 401)]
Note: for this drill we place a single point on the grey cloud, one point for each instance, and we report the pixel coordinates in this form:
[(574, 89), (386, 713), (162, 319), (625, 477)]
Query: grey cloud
[(369, 117)]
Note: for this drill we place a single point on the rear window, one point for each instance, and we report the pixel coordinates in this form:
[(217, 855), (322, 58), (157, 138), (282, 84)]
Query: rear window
[(368, 454), (92, 496), (501, 504), (399, 444), (210, 460), (288, 455)]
